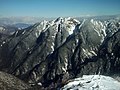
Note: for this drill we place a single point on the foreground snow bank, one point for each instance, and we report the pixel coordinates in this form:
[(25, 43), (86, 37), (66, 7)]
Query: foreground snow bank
[(93, 82)]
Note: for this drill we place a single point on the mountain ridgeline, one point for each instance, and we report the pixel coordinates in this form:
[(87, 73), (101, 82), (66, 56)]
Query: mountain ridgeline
[(52, 52)]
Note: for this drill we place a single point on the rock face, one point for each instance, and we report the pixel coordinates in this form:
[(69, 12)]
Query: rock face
[(7, 29), (110, 55), (9, 82), (52, 52)]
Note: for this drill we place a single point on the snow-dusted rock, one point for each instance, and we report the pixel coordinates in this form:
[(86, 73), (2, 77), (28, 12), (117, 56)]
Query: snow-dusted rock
[(52, 52)]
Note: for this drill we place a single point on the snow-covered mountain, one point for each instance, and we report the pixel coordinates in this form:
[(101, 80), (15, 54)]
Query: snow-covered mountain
[(52, 52)]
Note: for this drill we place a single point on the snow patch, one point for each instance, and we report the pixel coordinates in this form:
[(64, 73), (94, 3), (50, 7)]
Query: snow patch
[(44, 23), (3, 42), (37, 34), (70, 31), (40, 84), (93, 53), (52, 47), (93, 82), (77, 40), (97, 32), (16, 33), (76, 21), (23, 32), (82, 23), (64, 68)]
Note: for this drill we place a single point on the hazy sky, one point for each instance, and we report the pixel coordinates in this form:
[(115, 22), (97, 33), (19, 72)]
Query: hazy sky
[(56, 8)]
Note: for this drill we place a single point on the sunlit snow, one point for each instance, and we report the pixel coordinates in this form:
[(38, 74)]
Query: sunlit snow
[(93, 82)]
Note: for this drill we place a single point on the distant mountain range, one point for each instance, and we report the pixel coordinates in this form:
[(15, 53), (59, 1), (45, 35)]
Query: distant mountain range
[(33, 20), (26, 20)]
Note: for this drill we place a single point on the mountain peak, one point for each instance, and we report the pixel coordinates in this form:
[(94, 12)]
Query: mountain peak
[(50, 53)]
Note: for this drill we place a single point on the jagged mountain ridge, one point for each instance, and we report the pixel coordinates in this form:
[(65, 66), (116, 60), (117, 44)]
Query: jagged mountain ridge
[(55, 51)]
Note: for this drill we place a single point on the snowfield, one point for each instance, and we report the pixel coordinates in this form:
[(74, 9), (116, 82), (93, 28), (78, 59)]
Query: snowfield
[(93, 82)]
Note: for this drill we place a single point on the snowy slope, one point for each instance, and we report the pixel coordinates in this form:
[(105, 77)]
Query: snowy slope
[(93, 82)]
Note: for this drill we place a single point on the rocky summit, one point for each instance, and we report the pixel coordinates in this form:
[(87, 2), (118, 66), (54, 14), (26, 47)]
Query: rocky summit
[(50, 53)]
